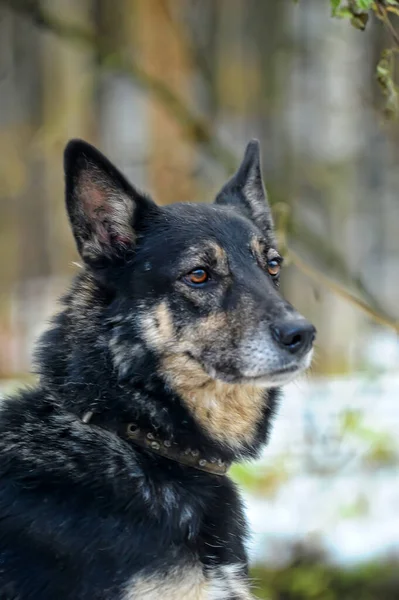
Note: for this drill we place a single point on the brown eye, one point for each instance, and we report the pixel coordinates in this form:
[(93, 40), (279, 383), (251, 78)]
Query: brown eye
[(273, 266), (196, 277)]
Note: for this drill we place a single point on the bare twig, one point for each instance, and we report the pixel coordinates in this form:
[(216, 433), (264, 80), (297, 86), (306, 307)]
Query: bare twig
[(378, 316), (383, 15), (338, 268)]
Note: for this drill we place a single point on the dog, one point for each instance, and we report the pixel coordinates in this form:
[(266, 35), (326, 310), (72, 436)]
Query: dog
[(162, 368)]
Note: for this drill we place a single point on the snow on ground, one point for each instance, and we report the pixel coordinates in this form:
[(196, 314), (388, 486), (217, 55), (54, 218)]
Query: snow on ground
[(334, 497)]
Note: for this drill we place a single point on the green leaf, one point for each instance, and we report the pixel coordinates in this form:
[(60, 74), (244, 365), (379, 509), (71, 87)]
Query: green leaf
[(355, 10), (335, 7), (343, 13), (364, 4)]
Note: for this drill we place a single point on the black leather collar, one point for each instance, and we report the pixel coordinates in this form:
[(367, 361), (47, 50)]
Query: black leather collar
[(167, 448)]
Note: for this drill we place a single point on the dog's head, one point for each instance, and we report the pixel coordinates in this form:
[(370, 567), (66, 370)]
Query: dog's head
[(196, 285)]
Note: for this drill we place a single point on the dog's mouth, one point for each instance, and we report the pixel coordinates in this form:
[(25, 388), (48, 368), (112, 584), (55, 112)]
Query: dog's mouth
[(276, 378), (273, 377)]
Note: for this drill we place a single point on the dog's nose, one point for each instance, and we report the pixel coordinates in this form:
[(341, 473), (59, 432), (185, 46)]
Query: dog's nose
[(295, 336)]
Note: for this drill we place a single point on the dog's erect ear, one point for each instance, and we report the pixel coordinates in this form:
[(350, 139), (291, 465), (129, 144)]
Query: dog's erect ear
[(102, 206), (245, 191)]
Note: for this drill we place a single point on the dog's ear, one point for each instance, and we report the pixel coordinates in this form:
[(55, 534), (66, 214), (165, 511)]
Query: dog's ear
[(102, 206), (245, 191)]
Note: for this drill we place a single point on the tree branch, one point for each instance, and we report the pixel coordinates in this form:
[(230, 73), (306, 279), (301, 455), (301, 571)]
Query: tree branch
[(379, 316), (194, 128), (351, 284)]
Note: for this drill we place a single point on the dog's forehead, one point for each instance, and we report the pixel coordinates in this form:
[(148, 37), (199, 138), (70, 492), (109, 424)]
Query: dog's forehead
[(194, 223)]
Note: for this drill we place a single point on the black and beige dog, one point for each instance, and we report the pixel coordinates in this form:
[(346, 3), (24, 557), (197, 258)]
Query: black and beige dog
[(158, 373)]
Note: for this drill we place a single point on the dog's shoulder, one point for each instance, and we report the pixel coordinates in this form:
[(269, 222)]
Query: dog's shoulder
[(75, 501), (68, 489), (41, 443)]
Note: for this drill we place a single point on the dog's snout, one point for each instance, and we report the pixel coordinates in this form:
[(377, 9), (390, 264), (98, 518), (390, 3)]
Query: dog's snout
[(295, 336)]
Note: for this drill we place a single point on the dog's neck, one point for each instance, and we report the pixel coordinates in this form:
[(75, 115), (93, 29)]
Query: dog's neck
[(152, 442)]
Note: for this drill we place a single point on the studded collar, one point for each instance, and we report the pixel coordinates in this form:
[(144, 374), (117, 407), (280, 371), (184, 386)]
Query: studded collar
[(167, 448)]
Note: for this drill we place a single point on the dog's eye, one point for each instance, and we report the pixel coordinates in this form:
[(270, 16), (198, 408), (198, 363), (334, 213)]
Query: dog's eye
[(196, 278), (274, 266)]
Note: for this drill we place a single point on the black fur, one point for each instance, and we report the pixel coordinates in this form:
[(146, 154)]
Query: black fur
[(82, 511)]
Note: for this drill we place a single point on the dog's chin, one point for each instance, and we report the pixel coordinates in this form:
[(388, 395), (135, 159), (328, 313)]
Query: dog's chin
[(272, 378)]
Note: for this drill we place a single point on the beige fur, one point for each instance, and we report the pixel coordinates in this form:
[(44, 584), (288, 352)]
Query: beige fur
[(258, 248), (83, 300), (157, 327), (191, 584), (221, 257), (227, 412)]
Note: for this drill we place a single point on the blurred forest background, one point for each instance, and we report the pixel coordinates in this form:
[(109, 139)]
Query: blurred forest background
[(171, 91)]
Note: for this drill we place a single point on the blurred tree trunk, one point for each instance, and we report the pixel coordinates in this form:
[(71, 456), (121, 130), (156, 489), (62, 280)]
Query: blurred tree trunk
[(66, 112), (163, 54), (122, 111), (26, 256)]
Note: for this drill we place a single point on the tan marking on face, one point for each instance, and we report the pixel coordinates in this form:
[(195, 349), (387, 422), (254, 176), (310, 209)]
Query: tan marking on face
[(208, 253), (159, 332), (221, 257), (258, 248), (227, 412), (157, 327), (165, 323), (216, 322), (192, 584)]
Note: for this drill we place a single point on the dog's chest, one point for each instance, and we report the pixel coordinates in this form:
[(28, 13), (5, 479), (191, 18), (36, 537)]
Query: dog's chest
[(191, 583)]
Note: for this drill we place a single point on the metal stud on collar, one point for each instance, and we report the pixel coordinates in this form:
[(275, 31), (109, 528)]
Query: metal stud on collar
[(87, 416), (169, 449)]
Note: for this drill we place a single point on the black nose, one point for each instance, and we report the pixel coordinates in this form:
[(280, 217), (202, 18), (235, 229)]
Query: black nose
[(295, 336)]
